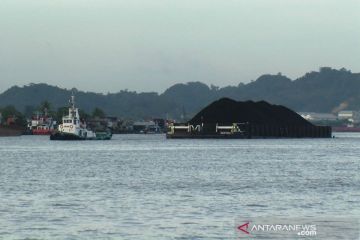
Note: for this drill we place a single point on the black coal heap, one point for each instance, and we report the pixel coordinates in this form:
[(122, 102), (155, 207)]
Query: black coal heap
[(228, 111)]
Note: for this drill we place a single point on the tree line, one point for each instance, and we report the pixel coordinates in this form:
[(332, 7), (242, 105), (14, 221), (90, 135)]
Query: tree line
[(45, 108), (326, 90)]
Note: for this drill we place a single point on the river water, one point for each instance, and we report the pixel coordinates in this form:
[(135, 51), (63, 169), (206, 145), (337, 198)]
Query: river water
[(147, 187)]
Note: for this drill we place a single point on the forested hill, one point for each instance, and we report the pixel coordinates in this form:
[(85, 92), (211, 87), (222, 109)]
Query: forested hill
[(326, 90)]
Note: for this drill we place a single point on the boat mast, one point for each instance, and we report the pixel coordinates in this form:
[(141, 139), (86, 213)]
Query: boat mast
[(72, 106)]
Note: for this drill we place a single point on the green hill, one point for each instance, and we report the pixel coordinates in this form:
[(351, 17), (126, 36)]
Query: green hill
[(325, 90)]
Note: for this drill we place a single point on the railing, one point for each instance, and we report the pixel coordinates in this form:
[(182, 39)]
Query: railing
[(189, 128), (250, 131)]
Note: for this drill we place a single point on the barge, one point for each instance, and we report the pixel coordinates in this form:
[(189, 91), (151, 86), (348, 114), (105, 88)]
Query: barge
[(246, 131), (227, 118), (10, 131)]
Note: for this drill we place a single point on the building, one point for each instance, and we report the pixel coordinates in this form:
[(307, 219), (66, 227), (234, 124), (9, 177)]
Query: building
[(112, 122), (351, 116), (345, 114), (160, 122), (146, 127), (312, 116)]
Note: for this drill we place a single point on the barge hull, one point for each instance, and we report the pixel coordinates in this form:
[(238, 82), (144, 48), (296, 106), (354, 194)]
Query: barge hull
[(204, 136), (10, 131), (259, 131)]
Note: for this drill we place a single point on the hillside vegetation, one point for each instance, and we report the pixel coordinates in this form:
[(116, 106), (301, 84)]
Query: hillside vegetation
[(326, 90)]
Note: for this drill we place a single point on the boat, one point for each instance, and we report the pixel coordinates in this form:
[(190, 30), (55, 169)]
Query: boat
[(346, 129), (10, 127), (10, 131), (41, 124), (72, 128)]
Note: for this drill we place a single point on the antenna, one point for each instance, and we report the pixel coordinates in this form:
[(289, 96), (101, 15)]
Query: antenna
[(72, 99), (72, 102)]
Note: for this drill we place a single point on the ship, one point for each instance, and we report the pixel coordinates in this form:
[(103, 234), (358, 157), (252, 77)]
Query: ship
[(41, 124), (10, 128), (10, 131), (72, 128)]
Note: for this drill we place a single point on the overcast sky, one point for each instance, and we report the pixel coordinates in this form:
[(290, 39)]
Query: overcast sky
[(148, 45)]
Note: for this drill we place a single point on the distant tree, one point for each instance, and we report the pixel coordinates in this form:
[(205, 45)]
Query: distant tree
[(183, 114), (45, 106), (314, 92), (214, 88), (344, 70), (10, 111), (29, 111), (98, 113), (325, 69), (84, 115), (21, 120), (62, 111)]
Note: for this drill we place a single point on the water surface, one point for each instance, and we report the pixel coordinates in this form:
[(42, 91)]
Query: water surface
[(147, 187)]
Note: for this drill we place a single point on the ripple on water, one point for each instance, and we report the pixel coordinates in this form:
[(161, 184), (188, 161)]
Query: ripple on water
[(145, 187)]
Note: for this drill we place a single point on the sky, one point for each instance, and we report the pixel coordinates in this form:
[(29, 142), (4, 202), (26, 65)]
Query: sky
[(149, 45)]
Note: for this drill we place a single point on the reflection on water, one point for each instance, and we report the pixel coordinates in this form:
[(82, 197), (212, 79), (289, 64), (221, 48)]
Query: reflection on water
[(147, 187)]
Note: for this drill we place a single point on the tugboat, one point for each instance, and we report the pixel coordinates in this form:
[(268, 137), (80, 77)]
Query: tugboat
[(73, 129), (41, 124)]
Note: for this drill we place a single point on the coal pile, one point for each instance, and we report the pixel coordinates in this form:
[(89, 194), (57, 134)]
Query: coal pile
[(228, 111), (229, 119)]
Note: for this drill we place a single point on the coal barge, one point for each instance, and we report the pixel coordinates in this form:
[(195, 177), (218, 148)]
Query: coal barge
[(229, 119)]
